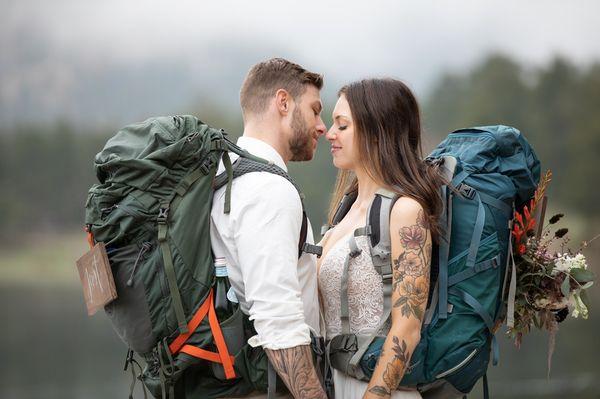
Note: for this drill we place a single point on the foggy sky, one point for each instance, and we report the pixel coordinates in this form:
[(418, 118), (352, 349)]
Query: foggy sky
[(55, 45)]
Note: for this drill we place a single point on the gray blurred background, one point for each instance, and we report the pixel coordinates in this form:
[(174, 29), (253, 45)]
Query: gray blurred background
[(73, 72)]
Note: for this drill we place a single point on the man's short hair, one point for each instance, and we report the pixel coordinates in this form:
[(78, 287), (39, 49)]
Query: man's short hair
[(265, 78)]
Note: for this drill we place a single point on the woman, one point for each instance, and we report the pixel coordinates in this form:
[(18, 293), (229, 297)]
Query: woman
[(375, 142)]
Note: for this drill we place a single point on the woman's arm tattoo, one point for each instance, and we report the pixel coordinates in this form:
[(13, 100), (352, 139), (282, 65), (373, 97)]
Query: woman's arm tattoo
[(411, 269), (394, 370)]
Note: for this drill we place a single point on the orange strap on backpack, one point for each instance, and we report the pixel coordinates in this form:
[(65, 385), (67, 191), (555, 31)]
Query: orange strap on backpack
[(222, 355), (90, 237)]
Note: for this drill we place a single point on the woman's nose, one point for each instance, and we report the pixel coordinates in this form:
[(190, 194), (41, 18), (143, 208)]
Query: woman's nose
[(330, 135)]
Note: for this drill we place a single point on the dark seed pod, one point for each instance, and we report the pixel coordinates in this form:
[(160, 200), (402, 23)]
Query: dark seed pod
[(560, 233), (555, 218)]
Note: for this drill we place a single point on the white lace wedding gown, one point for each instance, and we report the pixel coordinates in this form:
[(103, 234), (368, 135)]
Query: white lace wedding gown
[(365, 305)]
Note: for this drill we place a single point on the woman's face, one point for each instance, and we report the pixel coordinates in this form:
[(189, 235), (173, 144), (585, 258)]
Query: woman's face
[(341, 136)]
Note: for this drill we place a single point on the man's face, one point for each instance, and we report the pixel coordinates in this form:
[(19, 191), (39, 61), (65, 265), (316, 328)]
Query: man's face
[(306, 125)]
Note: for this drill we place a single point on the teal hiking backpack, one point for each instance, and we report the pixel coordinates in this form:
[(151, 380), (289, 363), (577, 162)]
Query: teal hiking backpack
[(151, 209), (490, 171)]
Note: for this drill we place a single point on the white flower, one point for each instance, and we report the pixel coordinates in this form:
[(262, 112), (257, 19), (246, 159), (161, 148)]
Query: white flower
[(577, 306), (565, 262), (545, 303)]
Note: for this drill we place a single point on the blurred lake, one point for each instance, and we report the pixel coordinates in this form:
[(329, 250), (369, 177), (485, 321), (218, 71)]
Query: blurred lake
[(51, 349)]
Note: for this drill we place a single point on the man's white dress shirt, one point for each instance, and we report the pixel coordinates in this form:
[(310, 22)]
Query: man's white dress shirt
[(259, 238)]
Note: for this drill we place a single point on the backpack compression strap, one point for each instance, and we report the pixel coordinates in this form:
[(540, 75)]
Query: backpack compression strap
[(245, 165), (377, 229)]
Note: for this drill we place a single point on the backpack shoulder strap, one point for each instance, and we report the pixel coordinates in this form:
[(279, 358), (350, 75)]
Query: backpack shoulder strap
[(245, 165), (378, 222), (341, 211)]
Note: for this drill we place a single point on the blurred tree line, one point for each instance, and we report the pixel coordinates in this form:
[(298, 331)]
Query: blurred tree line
[(555, 107), (45, 171)]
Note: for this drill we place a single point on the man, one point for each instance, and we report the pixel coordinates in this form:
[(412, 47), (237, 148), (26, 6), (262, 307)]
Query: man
[(281, 108)]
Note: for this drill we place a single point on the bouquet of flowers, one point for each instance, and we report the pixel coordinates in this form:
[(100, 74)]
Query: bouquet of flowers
[(551, 284)]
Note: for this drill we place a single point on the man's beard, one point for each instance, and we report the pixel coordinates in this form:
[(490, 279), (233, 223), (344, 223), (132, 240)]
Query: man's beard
[(301, 145)]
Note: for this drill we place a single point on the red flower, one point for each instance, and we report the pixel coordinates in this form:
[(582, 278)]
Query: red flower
[(517, 233)]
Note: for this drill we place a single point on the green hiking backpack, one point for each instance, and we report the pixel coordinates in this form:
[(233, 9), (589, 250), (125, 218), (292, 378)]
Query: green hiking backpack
[(151, 209), (490, 171)]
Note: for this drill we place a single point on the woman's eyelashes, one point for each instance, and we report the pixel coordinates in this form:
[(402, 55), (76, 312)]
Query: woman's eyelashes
[(342, 127)]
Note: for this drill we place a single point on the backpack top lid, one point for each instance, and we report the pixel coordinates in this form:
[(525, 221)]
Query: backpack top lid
[(149, 146), (496, 149)]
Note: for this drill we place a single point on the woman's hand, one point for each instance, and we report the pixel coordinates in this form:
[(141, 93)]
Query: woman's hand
[(411, 254)]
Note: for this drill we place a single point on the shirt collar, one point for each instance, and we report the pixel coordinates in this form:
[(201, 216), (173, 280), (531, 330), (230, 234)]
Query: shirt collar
[(261, 149)]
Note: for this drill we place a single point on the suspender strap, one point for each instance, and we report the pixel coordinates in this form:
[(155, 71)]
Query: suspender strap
[(246, 164), (365, 340), (380, 253), (163, 228), (476, 306), (185, 184), (429, 312), (477, 231), (344, 313), (498, 204), (303, 232), (478, 268), (344, 207), (444, 252), (229, 173), (487, 319), (378, 219)]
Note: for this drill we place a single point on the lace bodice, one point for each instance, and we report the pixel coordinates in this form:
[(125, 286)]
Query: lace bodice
[(365, 288)]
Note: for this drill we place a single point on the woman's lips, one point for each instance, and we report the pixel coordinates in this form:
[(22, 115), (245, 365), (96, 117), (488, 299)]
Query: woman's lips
[(334, 149)]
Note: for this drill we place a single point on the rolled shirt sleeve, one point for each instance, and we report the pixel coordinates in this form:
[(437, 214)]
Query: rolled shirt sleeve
[(266, 231)]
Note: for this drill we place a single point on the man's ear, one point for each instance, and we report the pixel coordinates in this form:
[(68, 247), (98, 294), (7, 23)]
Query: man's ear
[(283, 101)]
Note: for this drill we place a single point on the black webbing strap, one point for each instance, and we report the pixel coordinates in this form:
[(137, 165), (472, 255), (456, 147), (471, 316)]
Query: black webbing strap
[(245, 165)]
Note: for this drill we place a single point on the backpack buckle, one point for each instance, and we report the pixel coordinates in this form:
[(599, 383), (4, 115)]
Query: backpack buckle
[(466, 191), (349, 343), (163, 214)]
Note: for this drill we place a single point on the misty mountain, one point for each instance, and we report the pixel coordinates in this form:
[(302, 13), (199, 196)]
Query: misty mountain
[(41, 82)]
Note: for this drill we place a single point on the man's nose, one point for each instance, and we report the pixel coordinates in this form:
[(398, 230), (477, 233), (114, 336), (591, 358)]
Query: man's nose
[(321, 128)]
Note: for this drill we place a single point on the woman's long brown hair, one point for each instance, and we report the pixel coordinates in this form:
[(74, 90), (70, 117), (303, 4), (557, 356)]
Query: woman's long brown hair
[(387, 128)]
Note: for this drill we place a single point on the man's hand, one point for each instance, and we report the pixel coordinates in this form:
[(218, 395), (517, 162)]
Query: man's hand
[(295, 367)]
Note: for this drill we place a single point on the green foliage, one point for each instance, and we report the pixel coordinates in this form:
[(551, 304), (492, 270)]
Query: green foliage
[(554, 107), (44, 175), (45, 171)]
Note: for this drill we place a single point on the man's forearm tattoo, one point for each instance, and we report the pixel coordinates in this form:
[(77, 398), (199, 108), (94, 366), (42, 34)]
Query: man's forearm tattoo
[(295, 367)]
